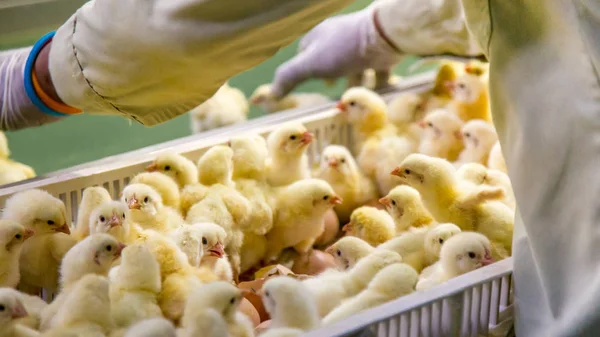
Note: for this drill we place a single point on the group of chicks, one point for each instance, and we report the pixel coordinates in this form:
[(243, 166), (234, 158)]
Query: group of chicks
[(165, 258)]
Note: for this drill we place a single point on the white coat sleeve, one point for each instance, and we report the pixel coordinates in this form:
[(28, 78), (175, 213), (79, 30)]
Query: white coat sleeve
[(152, 60), (426, 27)]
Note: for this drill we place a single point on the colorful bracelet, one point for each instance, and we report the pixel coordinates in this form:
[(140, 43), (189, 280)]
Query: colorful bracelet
[(33, 89)]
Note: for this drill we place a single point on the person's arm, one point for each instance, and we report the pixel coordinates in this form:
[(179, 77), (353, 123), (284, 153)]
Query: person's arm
[(153, 60), (376, 38)]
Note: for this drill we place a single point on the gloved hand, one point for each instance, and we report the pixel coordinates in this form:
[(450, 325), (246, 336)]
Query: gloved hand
[(344, 45), (17, 110)]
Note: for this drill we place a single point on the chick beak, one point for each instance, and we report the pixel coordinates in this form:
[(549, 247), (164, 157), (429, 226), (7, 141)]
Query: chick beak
[(487, 259), (398, 172), (152, 167), (217, 250), (385, 201), (329, 250), (307, 138), (341, 106), (63, 229), (335, 200), (449, 85), (333, 163), (28, 233), (422, 124), (134, 204), (19, 312), (115, 221), (458, 134), (347, 227), (119, 249), (256, 99)]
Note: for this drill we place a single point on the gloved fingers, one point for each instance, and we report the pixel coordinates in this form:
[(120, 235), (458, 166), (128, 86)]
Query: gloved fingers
[(292, 73)]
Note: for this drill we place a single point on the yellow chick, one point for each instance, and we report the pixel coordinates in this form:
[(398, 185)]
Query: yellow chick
[(190, 195), (406, 208), (287, 161), (340, 170), (478, 137), (496, 159), (404, 111), (146, 208), (301, 207), (249, 156), (330, 289), (470, 98), (201, 321), (13, 311), (91, 198), (371, 224), (110, 218), (161, 183), (189, 240), (12, 237), (10, 170), (86, 310), (224, 298), (153, 327), (480, 175), (41, 254), (290, 304), (179, 168), (263, 98), (463, 205), (93, 255), (226, 107), (34, 306), (390, 283), (462, 253), (216, 166), (349, 250), (134, 287), (178, 277), (441, 135), (213, 250)]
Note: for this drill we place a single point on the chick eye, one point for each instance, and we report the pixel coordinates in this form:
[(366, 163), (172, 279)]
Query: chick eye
[(406, 171), (326, 197), (109, 248), (146, 199), (352, 103), (125, 199), (394, 202), (293, 137), (471, 255), (102, 218), (338, 252), (461, 85), (204, 241), (50, 222), (430, 124), (123, 215), (267, 293), (441, 241), (467, 135), (18, 236), (232, 300), (2, 308), (343, 160), (167, 168)]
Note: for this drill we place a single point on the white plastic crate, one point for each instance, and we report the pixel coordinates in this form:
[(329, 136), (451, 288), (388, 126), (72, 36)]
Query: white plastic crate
[(476, 304)]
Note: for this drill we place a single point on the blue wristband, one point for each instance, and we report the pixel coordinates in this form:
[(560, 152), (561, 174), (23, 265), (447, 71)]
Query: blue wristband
[(28, 82)]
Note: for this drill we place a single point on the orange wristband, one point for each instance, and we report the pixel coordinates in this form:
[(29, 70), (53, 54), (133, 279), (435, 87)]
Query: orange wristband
[(51, 103)]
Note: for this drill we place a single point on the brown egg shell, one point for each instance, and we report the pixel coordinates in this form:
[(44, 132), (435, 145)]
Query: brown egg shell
[(331, 225), (249, 310), (251, 294), (262, 327), (313, 263)]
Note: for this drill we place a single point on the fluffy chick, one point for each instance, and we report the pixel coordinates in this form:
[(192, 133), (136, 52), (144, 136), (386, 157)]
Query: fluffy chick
[(153, 327), (480, 175), (110, 218), (226, 107), (440, 135), (263, 98), (163, 184), (86, 310), (462, 253), (10, 170), (92, 197), (12, 237), (44, 214), (463, 205), (470, 97), (478, 137), (249, 156), (212, 237), (406, 208), (404, 111), (12, 312), (371, 224), (290, 304), (348, 250), (287, 161), (224, 298), (330, 289), (200, 321), (34, 306), (179, 168), (301, 207), (135, 286), (390, 283), (496, 159), (146, 209), (93, 255), (216, 166), (341, 171), (189, 240)]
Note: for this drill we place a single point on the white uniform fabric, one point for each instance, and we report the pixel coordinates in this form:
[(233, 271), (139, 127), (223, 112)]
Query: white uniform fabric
[(152, 60), (545, 99)]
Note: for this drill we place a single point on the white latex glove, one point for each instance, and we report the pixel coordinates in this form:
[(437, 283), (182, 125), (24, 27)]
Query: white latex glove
[(16, 109), (152, 60), (375, 38)]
